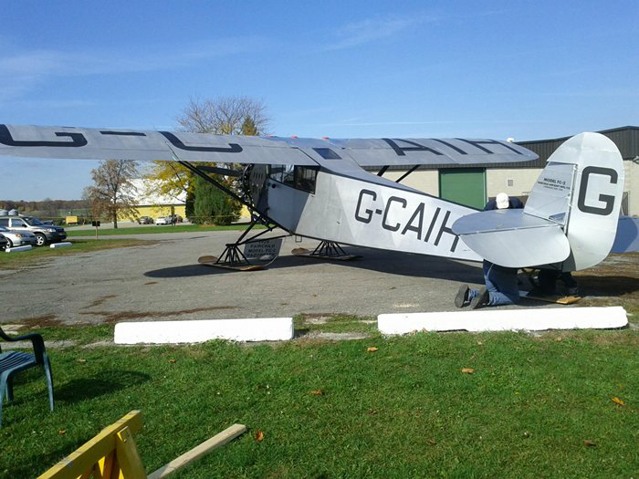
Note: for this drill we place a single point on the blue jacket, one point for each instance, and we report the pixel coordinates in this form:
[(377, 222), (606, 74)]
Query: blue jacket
[(513, 203)]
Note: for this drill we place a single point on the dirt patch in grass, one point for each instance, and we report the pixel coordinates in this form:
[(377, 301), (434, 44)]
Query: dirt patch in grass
[(615, 281), (45, 321), (111, 317)]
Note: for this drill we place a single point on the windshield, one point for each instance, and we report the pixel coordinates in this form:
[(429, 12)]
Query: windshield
[(32, 221)]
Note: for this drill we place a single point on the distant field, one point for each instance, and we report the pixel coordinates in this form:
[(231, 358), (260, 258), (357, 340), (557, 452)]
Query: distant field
[(74, 232)]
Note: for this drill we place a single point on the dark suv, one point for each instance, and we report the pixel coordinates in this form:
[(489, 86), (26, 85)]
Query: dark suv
[(45, 233)]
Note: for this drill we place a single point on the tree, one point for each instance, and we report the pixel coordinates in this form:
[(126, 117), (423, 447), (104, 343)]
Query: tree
[(171, 178), (212, 205), (225, 115), (113, 193), (249, 128)]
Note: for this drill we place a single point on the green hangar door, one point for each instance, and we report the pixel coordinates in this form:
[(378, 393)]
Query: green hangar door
[(466, 186)]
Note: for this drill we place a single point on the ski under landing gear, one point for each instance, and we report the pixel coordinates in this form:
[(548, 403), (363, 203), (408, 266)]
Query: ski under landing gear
[(326, 250), (234, 258)]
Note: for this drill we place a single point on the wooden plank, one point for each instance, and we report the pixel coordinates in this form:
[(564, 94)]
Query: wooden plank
[(127, 454), (201, 450), (555, 299)]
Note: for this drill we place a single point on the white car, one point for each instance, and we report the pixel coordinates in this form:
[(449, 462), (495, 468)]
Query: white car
[(18, 238), (162, 221)]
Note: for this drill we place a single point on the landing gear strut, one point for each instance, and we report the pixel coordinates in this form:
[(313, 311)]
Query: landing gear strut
[(233, 258), (326, 250)]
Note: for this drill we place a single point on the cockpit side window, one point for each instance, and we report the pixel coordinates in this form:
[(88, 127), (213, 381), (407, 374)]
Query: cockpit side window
[(299, 177)]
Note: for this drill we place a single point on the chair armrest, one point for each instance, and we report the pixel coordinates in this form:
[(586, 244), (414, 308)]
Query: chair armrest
[(36, 340)]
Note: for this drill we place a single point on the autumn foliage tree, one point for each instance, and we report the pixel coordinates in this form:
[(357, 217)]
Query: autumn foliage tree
[(222, 116), (113, 193), (225, 116)]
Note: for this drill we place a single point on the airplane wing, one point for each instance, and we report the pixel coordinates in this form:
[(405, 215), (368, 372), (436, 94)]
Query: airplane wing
[(627, 238), (104, 144), (431, 151), (497, 236), (147, 145)]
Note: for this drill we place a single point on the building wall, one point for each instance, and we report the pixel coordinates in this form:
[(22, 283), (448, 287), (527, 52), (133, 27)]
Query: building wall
[(422, 180), (497, 180), (519, 182), (516, 182), (161, 210), (156, 211), (631, 186)]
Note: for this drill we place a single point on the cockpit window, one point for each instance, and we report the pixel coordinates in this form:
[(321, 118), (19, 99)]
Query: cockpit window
[(327, 154), (298, 177)]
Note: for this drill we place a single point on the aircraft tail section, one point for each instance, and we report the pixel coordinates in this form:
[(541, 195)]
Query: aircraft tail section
[(570, 219), (581, 190)]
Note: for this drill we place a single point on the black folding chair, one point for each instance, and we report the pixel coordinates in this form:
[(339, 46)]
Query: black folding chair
[(13, 362)]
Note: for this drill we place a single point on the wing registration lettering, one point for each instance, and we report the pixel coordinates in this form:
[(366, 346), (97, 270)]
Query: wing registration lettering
[(401, 150), (175, 141), (122, 133), (77, 140), (478, 144)]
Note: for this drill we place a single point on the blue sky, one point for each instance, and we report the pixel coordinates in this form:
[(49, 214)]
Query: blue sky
[(344, 69)]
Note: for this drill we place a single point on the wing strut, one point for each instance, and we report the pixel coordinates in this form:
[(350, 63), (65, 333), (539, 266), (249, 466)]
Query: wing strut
[(232, 257)]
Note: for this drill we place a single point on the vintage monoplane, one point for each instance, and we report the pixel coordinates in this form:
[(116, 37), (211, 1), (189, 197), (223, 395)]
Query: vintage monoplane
[(334, 190)]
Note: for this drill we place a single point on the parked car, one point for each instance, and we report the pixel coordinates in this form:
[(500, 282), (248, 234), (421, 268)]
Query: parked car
[(18, 238), (145, 220), (163, 220), (3, 243), (45, 233)]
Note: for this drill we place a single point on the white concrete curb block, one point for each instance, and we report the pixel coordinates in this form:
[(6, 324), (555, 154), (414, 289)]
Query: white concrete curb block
[(18, 248), (505, 320), (60, 245), (197, 331)]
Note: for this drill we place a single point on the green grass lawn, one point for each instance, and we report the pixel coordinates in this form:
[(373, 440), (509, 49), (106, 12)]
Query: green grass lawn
[(461, 405), (533, 405), (152, 229)]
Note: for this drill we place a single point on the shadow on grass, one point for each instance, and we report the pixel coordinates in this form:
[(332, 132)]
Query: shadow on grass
[(107, 382), (592, 285)]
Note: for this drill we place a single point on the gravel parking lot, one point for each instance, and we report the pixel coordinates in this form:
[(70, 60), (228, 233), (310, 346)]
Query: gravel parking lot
[(162, 280)]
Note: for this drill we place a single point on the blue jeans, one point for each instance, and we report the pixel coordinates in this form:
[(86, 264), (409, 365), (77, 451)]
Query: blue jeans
[(501, 284)]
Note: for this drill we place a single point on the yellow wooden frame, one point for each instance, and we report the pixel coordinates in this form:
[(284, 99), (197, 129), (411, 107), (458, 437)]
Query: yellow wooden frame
[(112, 454), (109, 455)]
